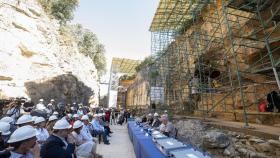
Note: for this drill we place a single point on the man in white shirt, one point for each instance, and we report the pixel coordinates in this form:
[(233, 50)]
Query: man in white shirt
[(40, 105), (42, 133), (86, 130)]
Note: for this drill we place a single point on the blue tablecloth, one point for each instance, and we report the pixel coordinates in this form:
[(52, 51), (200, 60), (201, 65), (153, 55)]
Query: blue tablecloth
[(144, 146)]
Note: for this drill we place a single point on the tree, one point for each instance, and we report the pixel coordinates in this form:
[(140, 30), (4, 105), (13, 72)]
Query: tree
[(146, 62), (90, 46), (62, 10)]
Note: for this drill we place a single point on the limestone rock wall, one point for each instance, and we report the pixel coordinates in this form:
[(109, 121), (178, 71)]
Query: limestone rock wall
[(33, 51)]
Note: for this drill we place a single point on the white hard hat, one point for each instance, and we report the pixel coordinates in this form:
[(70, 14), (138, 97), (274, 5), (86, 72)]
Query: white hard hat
[(76, 116), (7, 119), (40, 106), (72, 108), (41, 100), (52, 99), (165, 111), (85, 117), (52, 118), (150, 114), (24, 119), (39, 120), (55, 113), (77, 124), (100, 114), (62, 124), (69, 115), (22, 133), (156, 114), (5, 128), (34, 118)]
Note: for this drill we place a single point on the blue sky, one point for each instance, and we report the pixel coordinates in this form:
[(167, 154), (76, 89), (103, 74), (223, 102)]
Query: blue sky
[(121, 25)]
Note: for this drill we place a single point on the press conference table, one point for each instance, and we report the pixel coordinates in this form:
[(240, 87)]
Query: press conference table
[(144, 146)]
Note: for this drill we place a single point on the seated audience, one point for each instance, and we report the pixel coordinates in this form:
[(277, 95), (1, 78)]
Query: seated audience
[(57, 146)]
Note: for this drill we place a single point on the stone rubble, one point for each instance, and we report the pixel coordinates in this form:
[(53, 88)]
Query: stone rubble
[(226, 144)]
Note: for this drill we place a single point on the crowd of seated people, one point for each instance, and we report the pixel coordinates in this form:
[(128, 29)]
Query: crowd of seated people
[(51, 131)]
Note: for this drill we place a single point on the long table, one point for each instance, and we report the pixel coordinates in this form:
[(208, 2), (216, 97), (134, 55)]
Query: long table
[(144, 146)]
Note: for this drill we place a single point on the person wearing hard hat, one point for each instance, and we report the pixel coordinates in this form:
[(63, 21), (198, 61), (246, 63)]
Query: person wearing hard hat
[(24, 120), (51, 105), (98, 129), (9, 120), (80, 110), (55, 113), (156, 123), (86, 148), (5, 132), (23, 140), (70, 119), (51, 122), (86, 130), (73, 110), (150, 119), (76, 117), (40, 105), (42, 133), (57, 146)]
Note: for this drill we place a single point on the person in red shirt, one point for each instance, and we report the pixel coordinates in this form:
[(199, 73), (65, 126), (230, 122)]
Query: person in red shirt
[(262, 106), (107, 115)]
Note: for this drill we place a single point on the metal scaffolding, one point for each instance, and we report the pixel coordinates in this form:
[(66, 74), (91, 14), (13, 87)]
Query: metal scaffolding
[(216, 55)]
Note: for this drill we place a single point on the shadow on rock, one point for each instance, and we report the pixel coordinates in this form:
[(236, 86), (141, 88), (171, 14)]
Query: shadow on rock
[(66, 88)]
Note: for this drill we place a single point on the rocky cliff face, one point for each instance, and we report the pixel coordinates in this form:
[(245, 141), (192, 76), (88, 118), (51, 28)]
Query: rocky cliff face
[(37, 61)]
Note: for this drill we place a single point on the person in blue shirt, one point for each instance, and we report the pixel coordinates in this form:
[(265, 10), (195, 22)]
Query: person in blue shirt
[(99, 129)]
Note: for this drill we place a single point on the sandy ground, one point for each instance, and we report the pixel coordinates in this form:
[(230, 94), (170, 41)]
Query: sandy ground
[(120, 147)]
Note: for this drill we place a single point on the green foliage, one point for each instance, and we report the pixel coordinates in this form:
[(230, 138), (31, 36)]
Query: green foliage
[(62, 10), (154, 74), (127, 77), (89, 45), (146, 62)]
